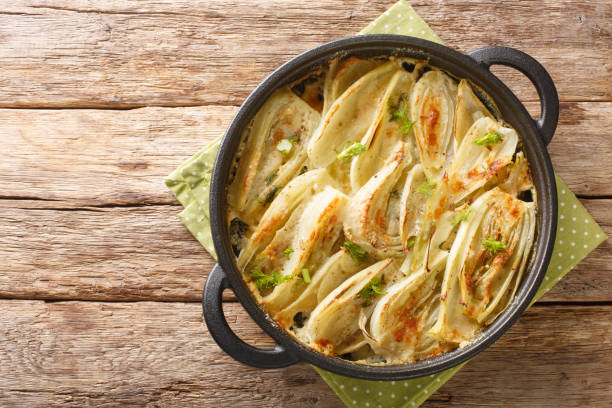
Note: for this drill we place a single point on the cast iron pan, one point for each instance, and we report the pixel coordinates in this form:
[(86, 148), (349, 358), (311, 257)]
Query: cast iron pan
[(535, 135)]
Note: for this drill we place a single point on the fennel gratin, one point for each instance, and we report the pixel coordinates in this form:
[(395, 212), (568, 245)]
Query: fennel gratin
[(380, 212)]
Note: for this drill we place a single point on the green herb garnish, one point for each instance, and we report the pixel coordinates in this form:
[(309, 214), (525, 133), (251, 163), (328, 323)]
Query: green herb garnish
[(427, 187), (288, 252), (493, 245), (264, 281), (395, 194), (489, 139), (271, 177), (374, 288), (351, 149), (355, 251), (462, 217), (399, 113), (410, 242), (284, 146), (305, 275)]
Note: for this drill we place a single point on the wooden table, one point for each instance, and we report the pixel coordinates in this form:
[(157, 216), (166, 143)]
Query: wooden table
[(101, 283)]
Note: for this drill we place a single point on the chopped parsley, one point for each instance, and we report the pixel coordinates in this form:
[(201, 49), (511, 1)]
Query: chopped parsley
[(285, 146), (493, 246), (462, 217), (426, 188), (395, 194), (355, 251), (288, 252), (306, 275), (410, 242), (264, 281), (271, 177), (351, 149), (398, 113), (374, 288), (489, 139)]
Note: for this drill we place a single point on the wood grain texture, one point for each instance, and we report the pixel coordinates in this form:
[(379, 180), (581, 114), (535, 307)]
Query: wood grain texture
[(101, 157), (123, 53), (99, 253), (84, 214), (582, 159), (159, 354), (145, 253), (137, 354)]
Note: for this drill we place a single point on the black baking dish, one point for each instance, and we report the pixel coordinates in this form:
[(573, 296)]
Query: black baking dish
[(535, 135)]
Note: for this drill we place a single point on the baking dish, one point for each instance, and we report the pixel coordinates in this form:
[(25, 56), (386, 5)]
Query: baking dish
[(475, 67)]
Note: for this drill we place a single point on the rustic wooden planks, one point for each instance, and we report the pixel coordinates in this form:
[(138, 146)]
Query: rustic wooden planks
[(160, 354), (84, 214), (135, 354), (100, 157), (145, 253), (123, 53), (102, 253)]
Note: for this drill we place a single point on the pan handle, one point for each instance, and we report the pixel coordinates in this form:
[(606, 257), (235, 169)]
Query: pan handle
[(228, 340), (532, 69)]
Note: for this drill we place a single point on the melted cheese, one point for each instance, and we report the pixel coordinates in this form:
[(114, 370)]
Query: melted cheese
[(394, 237)]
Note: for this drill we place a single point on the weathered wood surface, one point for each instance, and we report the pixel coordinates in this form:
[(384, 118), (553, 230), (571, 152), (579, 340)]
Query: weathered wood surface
[(101, 157), (84, 214), (123, 53), (101, 253), (145, 253), (160, 354)]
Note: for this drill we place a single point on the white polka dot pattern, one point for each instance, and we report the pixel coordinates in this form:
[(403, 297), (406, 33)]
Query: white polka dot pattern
[(189, 183), (410, 393), (404, 22)]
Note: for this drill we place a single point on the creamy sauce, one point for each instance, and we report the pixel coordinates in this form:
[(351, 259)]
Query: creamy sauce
[(375, 211)]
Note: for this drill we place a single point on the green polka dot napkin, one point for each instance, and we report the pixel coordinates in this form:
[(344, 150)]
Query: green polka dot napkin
[(577, 236)]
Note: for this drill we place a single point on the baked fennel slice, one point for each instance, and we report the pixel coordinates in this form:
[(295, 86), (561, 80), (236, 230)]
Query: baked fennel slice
[(271, 154)]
